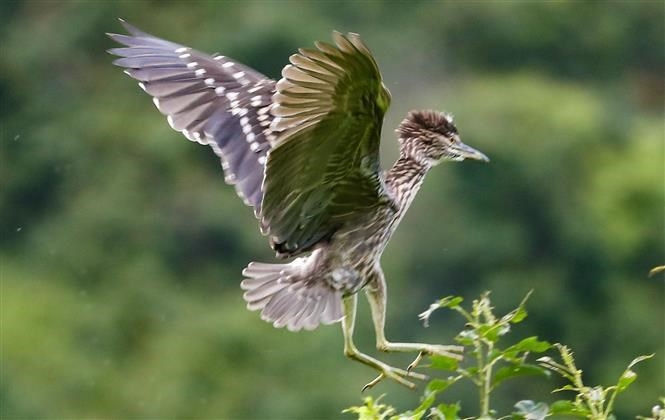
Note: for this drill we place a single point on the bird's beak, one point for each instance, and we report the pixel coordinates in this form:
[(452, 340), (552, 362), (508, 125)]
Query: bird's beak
[(468, 152)]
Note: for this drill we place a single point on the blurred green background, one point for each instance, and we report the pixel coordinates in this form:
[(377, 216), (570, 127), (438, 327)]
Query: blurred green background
[(121, 247)]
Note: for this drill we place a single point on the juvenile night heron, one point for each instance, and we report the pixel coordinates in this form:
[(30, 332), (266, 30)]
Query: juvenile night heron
[(304, 153)]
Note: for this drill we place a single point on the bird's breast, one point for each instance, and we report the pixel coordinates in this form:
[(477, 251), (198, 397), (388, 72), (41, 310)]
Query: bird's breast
[(366, 238), (353, 251)]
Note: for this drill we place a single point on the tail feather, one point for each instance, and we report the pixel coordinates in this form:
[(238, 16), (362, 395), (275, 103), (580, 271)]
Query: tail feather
[(303, 314), (288, 297), (262, 290)]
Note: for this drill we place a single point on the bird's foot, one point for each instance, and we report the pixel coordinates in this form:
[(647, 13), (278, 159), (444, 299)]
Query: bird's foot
[(385, 371), (450, 351), (397, 375)]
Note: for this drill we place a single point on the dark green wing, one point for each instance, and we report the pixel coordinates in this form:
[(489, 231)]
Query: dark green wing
[(324, 171)]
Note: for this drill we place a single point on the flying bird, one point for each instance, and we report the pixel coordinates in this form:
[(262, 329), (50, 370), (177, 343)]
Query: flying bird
[(303, 152)]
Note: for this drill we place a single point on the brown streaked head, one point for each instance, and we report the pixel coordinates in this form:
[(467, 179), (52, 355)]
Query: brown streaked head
[(431, 137)]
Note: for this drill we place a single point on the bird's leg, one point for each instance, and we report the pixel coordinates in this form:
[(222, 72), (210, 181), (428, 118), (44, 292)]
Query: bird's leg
[(350, 350), (376, 295)]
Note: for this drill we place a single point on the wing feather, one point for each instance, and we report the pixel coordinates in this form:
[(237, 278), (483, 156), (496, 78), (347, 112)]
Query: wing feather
[(323, 171), (212, 100)]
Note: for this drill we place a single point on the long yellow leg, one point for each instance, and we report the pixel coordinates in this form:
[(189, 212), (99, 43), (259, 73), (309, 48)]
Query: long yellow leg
[(376, 295), (350, 350)]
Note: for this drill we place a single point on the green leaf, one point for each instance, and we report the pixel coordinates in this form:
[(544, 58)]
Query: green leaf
[(449, 411), (625, 380), (508, 372), (567, 408), (639, 360), (443, 362), (450, 302), (628, 377), (518, 315), (530, 344), (420, 411), (493, 332), (438, 385), (371, 409), (469, 372), (529, 410)]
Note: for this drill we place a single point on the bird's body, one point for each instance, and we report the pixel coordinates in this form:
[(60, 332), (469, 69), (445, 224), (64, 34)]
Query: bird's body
[(304, 153), (349, 259)]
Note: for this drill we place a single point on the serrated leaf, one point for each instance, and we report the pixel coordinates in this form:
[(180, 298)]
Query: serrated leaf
[(508, 372), (443, 363), (567, 408), (529, 410)]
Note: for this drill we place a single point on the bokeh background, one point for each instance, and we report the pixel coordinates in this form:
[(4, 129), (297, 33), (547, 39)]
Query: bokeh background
[(121, 247)]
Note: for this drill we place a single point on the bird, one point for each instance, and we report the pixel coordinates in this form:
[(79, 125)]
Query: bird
[(303, 152)]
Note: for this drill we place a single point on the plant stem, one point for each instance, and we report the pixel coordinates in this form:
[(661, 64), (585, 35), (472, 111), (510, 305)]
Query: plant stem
[(485, 373)]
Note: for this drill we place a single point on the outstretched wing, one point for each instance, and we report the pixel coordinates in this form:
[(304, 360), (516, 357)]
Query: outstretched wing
[(323, 170), (212, 100)]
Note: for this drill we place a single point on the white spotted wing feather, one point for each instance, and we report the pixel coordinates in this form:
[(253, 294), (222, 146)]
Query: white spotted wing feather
[(211, 100)]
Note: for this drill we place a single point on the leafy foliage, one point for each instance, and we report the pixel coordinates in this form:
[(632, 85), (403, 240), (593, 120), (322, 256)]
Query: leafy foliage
[(371, 409), (491, 365), (589, 402)]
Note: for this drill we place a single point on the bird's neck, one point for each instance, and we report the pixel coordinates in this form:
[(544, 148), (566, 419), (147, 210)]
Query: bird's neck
[(404, 179)]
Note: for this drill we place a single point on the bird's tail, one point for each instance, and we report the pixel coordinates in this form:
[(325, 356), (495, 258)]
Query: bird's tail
[(289, 297)]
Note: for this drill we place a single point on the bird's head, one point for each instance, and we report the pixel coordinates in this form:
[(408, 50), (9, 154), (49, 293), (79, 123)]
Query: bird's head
[(430, 137)]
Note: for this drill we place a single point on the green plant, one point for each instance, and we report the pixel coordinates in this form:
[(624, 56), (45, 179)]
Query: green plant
[(589, 402), (482, 333), (372, 409), (490, 362)]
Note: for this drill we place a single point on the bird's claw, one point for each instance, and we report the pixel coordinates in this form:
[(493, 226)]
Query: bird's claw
[(453, 352), (373, 382), (397, 375), (415, 362)]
